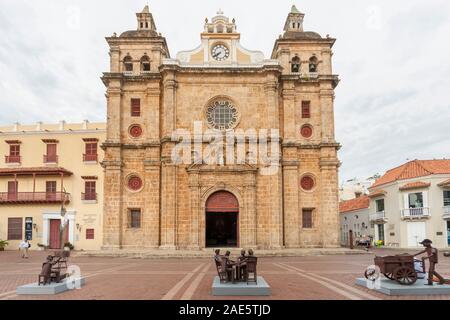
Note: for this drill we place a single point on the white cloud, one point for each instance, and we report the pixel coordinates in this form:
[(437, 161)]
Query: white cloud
[(392, 56)]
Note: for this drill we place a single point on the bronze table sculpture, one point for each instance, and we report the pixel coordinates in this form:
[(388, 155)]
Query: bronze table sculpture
[(432, 256), (242, 270), (54, 269)]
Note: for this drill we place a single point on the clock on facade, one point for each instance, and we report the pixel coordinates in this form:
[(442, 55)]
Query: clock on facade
[(220, 52)]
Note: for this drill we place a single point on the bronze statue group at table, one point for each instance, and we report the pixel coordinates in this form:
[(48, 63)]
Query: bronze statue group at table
[(243, 269)]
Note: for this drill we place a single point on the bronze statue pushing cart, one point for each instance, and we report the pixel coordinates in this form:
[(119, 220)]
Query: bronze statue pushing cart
[(401, 268)]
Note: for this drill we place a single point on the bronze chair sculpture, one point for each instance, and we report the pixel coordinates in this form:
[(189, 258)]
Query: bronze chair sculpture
[(54, 268)]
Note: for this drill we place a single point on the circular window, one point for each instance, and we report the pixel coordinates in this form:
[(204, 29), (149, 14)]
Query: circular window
[(135, 131), (222, 115), (306, 131), (135, 183), (307, 183)]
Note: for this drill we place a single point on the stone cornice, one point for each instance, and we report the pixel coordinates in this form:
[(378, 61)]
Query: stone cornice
[(311, 145)]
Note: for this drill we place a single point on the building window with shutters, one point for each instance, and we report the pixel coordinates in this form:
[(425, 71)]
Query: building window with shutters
[(134, 218), (90, 234), (13, 187), (51, 156), (307, 218), (15, 226), (91, 146), (306, 109), (135, 107), (90, 192), (14, 154), (50, 190)]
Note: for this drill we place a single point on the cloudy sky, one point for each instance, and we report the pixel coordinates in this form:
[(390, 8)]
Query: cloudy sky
[(393, 58)]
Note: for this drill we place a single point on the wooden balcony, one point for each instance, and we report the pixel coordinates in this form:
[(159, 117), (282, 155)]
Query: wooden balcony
[(13, 159), (50, 159), (33, 197), (89, 196), (90, 157)]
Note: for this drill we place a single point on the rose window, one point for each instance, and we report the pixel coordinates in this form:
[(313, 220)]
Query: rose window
[(222, 115)]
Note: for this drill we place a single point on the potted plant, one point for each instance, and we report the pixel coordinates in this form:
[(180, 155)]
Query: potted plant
[(3, 244), (68, 246)]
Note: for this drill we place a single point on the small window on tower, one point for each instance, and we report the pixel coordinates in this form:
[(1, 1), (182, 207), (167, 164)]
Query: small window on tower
[(146, 25), (145, 63), (306, 109), (295, 64), (313, 64), (142, 25), (128, 63), (135, 107)]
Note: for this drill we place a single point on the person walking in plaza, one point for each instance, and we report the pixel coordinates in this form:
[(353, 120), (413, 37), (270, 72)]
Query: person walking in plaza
[(23, 247)]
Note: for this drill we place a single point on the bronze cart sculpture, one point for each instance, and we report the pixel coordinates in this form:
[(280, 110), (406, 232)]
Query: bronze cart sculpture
[(400, 268)]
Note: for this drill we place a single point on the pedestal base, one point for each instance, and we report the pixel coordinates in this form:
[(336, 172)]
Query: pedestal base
[(51, 289), (241, 288), (392, 288)]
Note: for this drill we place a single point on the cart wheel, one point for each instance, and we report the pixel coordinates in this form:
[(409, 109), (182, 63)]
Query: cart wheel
[(390, 276), (371, 274), (405, 276)]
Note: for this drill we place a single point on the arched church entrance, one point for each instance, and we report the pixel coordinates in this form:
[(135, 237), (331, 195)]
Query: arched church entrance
[(222, 220)]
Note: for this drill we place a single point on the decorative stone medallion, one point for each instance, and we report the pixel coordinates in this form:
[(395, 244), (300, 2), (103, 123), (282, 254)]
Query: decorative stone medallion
[(306, 131), (135, 131), (307, 183), (134, 183)]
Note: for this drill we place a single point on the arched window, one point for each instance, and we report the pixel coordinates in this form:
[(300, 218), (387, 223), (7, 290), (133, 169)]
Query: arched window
[(313, 64), (220, 28), (128, 63), (145, 63), (295, 64)]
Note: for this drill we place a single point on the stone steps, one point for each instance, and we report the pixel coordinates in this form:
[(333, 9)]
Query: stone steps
[(209, 253)]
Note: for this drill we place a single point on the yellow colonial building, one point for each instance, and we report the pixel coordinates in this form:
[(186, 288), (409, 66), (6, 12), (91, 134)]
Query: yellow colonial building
[(43, 166)]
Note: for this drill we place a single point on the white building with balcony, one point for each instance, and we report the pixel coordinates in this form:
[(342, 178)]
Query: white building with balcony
[(412, 202)]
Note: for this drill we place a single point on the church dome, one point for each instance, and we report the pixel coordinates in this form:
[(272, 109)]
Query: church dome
[(308, 35), (139, 34)]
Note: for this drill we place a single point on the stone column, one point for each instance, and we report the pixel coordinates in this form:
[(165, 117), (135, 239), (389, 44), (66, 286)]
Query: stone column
[(112, 203), (194, 188), (168, 169), (291, 203), (327, 112), (114, 127), (249, 233), (114, 54), (329, 207)]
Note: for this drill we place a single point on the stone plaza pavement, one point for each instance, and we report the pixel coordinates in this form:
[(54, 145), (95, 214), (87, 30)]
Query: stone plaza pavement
[(317, 277)]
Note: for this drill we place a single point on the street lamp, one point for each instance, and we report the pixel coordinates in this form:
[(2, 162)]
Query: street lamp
[(63, 225)]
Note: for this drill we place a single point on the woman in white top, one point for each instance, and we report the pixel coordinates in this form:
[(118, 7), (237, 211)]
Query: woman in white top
[(23, 247)]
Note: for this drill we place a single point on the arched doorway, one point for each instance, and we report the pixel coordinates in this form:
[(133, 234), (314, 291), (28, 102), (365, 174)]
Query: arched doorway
[(222, 220)]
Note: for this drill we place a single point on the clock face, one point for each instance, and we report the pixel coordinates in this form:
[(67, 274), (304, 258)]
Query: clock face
[(220, 52)]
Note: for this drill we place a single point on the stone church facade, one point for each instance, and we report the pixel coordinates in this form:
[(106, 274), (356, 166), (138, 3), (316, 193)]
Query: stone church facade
[(152, 201)]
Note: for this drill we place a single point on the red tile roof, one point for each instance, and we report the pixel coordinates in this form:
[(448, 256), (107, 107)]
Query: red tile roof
[(415, 185), (354, 204), (414, 169), (37, 171), (444, 183), (377, 193)]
